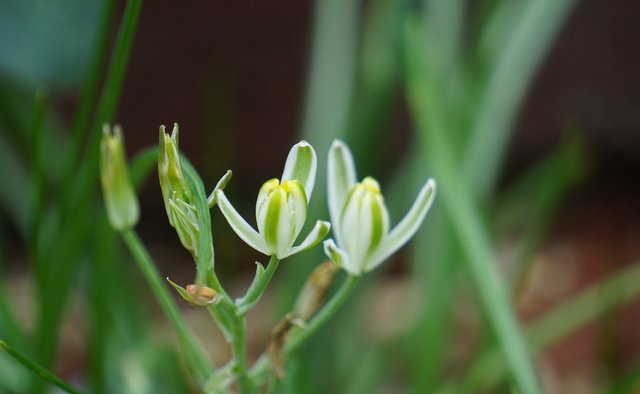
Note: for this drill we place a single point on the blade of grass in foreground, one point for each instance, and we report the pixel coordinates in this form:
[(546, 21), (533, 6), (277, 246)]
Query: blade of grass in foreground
[(457, 200), (38, 370), (557, 323)]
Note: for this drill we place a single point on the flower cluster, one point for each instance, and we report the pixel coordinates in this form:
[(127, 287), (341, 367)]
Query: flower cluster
[(362, 237)]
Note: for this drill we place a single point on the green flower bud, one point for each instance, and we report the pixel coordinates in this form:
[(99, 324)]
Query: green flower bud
[(176, 194), (119, 197), (184, 219), (172, 181)]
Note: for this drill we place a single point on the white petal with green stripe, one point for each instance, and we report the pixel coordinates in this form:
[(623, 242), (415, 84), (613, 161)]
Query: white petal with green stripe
[(316, 235), (239, 225), (341, 176), (407, 227), (301, 165)]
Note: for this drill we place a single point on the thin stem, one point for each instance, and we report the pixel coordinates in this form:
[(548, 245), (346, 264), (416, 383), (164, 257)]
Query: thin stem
[(322, 317), (197, 361), (257, 288), (38, 370), (298, 337), (239, 347)]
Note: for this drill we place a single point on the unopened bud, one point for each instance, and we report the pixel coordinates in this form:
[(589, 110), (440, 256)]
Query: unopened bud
[(119, 197)]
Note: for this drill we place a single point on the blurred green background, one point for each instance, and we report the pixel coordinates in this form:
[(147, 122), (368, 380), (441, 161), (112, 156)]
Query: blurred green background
[(526, 112)]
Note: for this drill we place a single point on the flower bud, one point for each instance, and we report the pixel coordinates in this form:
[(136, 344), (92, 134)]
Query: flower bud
[(172, 181), (183, 218), (120, 198), (281, 210), (178, 200)]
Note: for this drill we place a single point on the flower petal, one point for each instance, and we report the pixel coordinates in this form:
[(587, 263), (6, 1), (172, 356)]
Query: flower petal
[(341, 176), (301, 165), (318, 232), (406, 228), (339, 257), (239, 225)]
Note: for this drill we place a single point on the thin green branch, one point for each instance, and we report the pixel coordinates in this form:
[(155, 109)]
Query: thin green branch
[(38, 370), (197, 360), (297, 337)]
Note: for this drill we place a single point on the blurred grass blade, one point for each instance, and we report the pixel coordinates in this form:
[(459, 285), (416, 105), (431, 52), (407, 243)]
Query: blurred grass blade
[(38, 370), (16, 181), (548, 180), (331, 74), (37, 156), (90, 91), (56, 270), (457, 200), (508, 81), (376, 80), (557, 323), (109, 99)]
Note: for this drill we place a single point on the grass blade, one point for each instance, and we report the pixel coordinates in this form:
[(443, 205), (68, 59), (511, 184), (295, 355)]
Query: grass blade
[(457, 200), (38, 370)]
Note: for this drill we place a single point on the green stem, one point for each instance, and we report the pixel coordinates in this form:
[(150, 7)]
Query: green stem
[(257, 288), (197, 360), (322, 317), (239, 348), (298, 337), (38, 370)]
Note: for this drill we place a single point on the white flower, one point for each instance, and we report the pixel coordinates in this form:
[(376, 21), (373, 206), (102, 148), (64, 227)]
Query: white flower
[(360, 218), (281, 208)]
